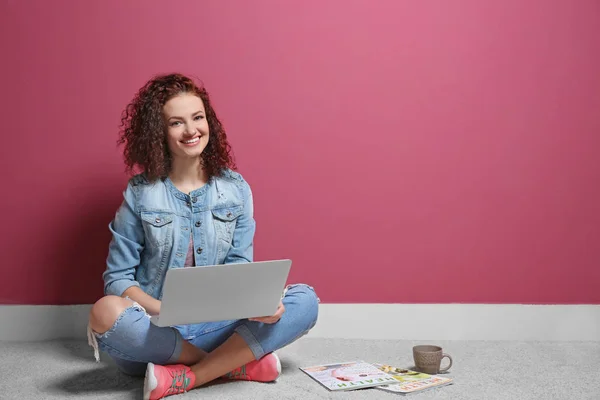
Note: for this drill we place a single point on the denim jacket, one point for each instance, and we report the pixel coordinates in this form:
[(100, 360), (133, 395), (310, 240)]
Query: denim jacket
[(153, 226)]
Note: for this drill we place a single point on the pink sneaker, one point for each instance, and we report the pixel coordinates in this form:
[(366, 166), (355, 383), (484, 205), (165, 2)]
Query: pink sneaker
[(165, 380), (267, 369)]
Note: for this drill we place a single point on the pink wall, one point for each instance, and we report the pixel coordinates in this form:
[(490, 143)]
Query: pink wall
[(428, 151)]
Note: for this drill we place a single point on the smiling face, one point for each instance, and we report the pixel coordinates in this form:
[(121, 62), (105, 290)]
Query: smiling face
[(187, 126)]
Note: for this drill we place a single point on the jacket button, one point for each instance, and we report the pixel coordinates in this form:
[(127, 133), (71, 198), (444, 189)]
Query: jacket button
[(198, 223), (199, 250), (194, 199), (157, 220), (229, 215)]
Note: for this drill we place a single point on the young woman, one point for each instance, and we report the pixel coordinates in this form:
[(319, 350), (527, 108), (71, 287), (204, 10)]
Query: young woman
[(187, 208)]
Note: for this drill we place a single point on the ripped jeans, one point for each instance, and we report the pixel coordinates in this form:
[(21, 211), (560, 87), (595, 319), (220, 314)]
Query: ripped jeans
[(133, 341)]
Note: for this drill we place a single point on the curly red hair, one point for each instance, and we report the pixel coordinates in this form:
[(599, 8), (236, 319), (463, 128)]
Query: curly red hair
[(143, 130)]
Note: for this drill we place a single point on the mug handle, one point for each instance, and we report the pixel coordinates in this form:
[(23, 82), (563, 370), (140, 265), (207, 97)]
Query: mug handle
[(449, 365)]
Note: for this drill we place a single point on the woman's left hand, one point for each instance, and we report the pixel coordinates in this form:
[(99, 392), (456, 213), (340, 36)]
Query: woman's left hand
[(272, 319)]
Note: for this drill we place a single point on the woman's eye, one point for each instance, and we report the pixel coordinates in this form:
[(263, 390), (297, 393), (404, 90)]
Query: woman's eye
[(175, 123), (199, 117)]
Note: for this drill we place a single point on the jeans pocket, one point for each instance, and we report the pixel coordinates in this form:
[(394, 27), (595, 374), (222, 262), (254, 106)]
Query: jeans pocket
[(158, 227), (224, 220)]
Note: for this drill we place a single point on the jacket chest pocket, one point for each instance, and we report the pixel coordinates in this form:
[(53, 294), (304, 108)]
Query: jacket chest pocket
[(158, 227), (224, 220)]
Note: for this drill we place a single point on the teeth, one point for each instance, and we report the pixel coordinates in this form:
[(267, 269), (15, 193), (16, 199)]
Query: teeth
[(191, 141)]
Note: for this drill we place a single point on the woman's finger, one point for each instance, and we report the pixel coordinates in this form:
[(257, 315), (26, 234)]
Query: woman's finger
[(280, 310), (272, 319)]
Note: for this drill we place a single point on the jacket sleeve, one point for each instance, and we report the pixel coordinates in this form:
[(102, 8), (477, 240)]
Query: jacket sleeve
[(125, 246), (242, 245)]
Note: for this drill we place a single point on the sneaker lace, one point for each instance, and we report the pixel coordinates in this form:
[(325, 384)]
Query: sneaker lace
[(238, 373), (180, 382)]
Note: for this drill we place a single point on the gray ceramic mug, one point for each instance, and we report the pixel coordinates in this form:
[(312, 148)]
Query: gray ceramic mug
[(428, 359)]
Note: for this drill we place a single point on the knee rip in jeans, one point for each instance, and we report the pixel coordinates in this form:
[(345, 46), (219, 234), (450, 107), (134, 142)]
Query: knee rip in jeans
[(288, 287), (92, 336)]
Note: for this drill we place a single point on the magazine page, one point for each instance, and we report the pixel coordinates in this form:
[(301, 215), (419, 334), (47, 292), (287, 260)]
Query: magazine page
[(411, 381), (348, 376)]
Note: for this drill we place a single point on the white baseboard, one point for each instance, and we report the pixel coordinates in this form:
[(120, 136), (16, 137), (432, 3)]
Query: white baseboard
[(364, 321), (34, 323), (459, 322)]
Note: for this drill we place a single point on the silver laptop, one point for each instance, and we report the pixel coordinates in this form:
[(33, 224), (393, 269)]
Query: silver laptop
[(222, 292)]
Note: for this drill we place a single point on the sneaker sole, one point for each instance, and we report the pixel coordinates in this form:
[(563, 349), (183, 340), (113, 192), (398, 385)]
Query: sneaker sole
[(278, 366), (150, 382)]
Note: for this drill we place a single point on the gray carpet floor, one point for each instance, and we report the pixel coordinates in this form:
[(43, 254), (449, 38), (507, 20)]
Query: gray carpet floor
[(481, 371)]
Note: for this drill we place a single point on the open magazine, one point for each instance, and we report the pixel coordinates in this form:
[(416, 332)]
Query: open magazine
[(408, 381), (349, 375)]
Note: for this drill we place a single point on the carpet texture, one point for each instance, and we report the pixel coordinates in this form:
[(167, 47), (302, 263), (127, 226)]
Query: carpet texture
[(481, 370)]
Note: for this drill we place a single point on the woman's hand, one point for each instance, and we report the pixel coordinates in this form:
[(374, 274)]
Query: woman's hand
[(150, 304), (272, 319)]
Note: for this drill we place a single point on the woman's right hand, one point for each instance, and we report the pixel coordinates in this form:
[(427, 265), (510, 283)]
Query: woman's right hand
[(155, 309), (150, 304)]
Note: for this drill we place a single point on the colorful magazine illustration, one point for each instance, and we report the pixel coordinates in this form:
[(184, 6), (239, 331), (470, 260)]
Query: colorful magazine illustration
[(408, 381), (349, 375)]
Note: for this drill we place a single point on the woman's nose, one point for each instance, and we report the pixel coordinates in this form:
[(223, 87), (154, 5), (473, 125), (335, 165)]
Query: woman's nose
[(190, 130)]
